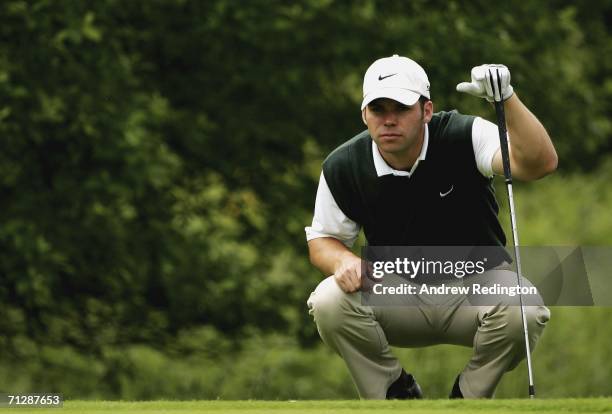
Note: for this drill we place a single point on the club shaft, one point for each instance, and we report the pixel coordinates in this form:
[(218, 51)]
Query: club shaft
[(503, 138), (519, 280)]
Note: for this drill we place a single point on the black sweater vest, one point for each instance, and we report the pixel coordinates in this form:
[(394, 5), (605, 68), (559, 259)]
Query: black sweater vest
[(419, 210)]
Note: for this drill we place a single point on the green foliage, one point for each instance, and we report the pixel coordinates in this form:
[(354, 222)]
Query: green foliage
[(196, 366), (564, 209), (159, 160), (572, 359)]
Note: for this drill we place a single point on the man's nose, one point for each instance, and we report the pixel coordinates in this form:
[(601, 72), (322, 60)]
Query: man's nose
[(390, 118)]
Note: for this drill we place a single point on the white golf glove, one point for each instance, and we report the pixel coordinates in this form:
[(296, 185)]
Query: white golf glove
[(486, 81)]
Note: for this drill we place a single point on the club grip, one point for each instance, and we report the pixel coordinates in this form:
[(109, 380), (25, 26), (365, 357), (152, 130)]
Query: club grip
[(503, 140)]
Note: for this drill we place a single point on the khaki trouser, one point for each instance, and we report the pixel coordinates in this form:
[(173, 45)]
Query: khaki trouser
[(362, 335)]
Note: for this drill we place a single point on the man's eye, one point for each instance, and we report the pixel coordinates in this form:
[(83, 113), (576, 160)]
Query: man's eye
[(376, 109)]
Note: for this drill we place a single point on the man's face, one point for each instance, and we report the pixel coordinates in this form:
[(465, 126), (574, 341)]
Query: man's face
[(396, 127)]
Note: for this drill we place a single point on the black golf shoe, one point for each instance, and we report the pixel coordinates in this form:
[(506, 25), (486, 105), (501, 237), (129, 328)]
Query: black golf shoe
[(456, 391), (404, 388)]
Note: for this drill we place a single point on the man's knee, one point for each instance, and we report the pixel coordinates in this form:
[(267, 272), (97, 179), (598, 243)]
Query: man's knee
[(507, 321), (535, 316), (329, 304)]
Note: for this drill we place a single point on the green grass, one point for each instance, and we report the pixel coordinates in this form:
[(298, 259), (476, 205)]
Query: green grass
[(585, 405)]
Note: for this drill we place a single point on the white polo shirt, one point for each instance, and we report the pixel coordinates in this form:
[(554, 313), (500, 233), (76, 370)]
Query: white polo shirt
[(330, 221)]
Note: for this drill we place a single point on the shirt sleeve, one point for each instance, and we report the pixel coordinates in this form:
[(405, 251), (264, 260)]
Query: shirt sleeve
[(485, 141), (329, 220)]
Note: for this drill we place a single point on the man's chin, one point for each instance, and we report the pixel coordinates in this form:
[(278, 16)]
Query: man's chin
[(390, 147)]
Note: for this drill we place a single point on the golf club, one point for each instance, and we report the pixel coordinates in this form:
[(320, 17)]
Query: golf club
[(503, 138)]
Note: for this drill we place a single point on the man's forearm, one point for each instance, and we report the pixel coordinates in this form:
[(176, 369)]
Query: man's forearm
[(327, 253)]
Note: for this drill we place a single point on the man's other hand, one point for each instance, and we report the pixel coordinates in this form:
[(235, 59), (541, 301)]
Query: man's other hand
[(348, 274), (485, 83)]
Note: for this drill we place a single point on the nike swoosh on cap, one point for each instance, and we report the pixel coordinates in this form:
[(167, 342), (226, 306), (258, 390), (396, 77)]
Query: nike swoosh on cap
[(381, 77)]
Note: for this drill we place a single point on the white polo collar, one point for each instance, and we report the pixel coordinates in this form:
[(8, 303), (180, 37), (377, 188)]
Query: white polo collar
[(382, 168)]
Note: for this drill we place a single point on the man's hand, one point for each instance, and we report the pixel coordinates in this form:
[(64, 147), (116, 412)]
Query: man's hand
[(485, 83), (331, 256), (348, 274)]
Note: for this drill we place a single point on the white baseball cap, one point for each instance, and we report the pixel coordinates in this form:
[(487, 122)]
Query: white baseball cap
[(397, 78)]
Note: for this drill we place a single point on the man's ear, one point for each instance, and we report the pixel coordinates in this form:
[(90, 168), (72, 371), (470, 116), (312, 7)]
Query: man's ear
[(427, 111), (363, 116)]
